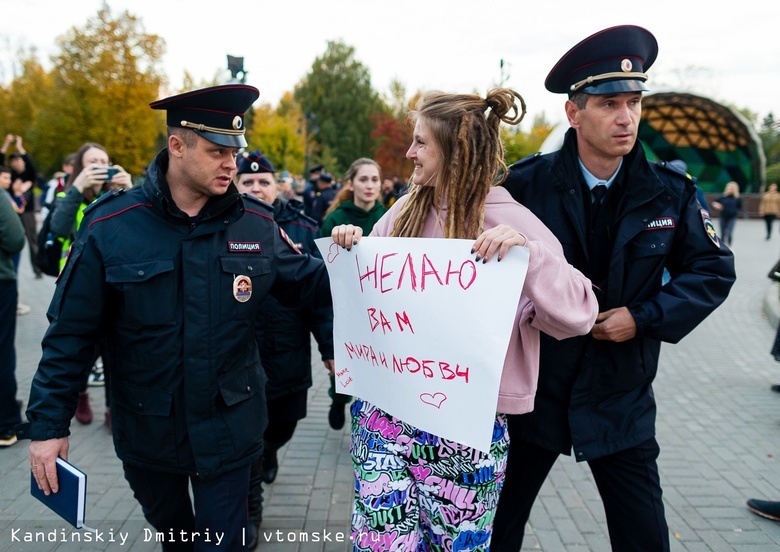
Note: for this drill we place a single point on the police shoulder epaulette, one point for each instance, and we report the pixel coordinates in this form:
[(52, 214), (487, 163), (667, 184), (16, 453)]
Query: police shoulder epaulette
[(258, 203), (670, 170), (104, 198), (297, 207), (296, 204), (674, 170), (527, 159)]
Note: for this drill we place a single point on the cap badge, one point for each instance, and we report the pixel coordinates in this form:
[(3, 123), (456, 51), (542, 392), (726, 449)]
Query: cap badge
[(254, 166), (626, 65), (238, 122), (242, 288)]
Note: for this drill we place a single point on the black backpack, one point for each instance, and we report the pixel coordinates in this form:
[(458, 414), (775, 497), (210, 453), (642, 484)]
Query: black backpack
[(49, 247)]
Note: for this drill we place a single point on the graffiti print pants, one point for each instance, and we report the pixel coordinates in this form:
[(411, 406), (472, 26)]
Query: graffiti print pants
[(417, 492)]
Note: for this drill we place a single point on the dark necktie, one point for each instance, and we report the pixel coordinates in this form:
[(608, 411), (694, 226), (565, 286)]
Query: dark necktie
[(597, 193)]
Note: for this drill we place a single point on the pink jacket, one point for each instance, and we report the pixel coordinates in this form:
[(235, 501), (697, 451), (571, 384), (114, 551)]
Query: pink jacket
[(557, 298)]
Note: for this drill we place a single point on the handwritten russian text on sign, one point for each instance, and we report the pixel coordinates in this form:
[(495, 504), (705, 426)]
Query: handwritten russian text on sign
[(421, 330)]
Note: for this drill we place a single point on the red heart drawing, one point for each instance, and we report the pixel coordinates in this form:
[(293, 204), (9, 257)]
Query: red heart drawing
[(333, 252), (434, 400)]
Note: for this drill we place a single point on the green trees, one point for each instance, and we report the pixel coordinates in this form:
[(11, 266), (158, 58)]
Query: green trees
[(338, 92), (105, 73), (98, 90), (279, 134)]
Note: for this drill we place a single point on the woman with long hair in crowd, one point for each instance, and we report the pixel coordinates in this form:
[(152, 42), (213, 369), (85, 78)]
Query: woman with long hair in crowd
[(93, 175), (458, 161), (728, 207), (359, 203)]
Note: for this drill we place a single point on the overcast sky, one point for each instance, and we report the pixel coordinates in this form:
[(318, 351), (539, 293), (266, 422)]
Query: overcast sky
[(729, 53)]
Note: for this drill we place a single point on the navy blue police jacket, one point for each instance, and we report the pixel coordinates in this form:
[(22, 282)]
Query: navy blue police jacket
[(284, 333), (596, 396), (187, 387)]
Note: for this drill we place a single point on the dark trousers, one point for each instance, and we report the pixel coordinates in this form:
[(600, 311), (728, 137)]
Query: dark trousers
[(31, 232), (9, 409), (769, 220), (277, 434), (727, 224), (220, 508), (627, 481)]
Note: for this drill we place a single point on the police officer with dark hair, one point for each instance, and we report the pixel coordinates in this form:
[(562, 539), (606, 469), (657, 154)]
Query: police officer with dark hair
[(173, 275), (621, 221), (283, 334)]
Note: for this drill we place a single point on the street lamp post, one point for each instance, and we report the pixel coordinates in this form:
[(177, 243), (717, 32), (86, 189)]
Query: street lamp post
[(236, 68)]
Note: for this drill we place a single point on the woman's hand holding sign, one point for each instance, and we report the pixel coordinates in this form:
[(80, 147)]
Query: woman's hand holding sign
[(346, 235), (499, 238)]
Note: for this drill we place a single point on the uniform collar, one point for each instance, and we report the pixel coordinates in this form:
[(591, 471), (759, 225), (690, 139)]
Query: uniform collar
[(157, 190), (591, 181)]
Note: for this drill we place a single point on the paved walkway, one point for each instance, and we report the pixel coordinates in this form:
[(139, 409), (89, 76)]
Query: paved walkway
[(718, 426)]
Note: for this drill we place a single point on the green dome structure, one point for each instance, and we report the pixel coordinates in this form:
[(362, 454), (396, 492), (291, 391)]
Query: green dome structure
[(716, 142)]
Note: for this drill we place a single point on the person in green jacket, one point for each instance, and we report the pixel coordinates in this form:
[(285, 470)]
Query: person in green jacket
[(93, 175), (12, 239), (357, 203)]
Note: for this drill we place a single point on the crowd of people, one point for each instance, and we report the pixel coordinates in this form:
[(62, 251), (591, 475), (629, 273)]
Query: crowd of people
[(193, 294)]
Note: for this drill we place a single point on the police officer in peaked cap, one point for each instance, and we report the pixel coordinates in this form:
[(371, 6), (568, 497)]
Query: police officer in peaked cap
[(284, 334), (170, 276), (622, 221)]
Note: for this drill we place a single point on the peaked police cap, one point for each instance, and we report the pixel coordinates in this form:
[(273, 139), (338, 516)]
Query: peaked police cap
[(215, 113), (608, 62), (254, 162)]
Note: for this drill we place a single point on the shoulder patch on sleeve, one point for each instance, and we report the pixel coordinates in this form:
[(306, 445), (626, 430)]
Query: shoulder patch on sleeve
[(288, 241), (709, 228)]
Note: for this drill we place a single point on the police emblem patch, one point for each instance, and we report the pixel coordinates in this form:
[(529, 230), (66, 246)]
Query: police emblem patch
[(709, 227), (242, 288), (289, 242)]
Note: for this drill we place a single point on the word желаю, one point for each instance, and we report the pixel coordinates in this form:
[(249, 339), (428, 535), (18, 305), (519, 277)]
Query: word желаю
[(412, 276)]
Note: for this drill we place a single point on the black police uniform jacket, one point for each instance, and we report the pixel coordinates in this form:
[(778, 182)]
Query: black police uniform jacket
[(316, 201), (593, 395), (187, 387), (284, 332)]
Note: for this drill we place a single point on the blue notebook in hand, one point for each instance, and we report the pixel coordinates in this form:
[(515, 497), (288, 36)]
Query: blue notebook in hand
[(70, 501)]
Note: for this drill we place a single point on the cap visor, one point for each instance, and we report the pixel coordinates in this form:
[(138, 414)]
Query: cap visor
[(615, 87), (226, 140)]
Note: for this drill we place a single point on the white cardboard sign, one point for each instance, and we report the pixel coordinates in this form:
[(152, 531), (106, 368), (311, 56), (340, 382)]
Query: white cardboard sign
[(421, 329)]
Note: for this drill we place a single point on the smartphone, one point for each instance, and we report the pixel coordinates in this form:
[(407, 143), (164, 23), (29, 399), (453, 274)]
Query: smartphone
[(111, 172)]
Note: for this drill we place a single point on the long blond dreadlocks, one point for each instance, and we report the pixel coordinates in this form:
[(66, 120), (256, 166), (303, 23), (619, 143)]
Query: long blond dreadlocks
[(472, 160)]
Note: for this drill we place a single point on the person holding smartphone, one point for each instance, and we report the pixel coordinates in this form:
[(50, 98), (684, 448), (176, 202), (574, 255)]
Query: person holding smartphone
[(93, 176)]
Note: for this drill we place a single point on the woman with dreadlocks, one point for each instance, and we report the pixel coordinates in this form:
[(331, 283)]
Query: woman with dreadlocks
[(458, 163)]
